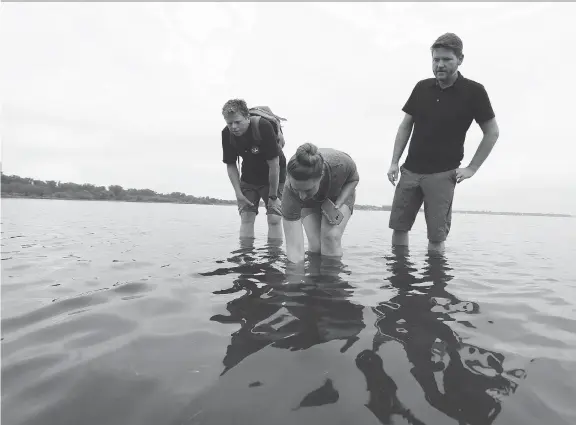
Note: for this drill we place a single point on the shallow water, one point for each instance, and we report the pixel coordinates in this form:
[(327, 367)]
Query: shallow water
[(118, 313)]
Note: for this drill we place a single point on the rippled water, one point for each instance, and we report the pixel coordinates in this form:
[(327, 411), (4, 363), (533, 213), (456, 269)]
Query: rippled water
[(117, 313)]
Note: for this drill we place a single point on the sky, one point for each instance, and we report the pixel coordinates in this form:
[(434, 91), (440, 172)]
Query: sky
[(131, 93)]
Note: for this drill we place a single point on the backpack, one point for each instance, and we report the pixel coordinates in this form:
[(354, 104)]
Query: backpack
[(264, 111), (258, 112)]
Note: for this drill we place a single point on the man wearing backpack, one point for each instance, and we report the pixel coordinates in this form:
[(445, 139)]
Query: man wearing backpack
[(255, 135)]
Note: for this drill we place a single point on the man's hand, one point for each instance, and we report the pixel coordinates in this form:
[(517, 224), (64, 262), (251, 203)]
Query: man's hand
[(393, 174), (275, 205), (242, 200), (464, 173)]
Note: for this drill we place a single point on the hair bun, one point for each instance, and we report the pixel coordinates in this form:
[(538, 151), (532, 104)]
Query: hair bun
[(310, 148), (307, 154), (306, 163)]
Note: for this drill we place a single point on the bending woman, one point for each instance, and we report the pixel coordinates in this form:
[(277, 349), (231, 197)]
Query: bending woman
[(314, 175)]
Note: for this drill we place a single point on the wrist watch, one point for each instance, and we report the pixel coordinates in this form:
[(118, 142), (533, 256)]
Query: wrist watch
[(273, 197)]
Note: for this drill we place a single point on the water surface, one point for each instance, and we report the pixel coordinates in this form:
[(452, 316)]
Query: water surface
[(119, 313)]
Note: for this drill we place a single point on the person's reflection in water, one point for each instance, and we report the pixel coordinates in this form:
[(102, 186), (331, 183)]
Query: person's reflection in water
[(416, 317), (319, 301), (257, 275), (383, 402), (294, 311)]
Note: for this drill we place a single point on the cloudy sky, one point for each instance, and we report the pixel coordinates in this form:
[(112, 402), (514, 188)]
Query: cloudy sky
[(131, 93)]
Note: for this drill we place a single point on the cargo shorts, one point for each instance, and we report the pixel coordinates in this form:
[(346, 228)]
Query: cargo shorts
[(255, 193), (435, 190)]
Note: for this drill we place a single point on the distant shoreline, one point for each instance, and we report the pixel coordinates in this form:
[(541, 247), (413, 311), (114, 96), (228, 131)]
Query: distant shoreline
[(222, 202)]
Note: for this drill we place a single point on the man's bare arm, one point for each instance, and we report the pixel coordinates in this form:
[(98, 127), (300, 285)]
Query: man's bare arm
[(402, 136), (273, 175), (491, 134), (234, 177)]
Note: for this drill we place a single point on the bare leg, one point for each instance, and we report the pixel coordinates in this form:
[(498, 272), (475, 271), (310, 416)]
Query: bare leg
[(400, 238), (274, 227), (312, 228), (331, 235), (247, 219), (436, 247)]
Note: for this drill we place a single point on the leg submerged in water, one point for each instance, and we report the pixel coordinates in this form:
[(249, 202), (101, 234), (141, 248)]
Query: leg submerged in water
[(408, 198), (312, 226), (247, 219), (274, 227), (438, 192), (400, 238), (435, 247), (331, 235)]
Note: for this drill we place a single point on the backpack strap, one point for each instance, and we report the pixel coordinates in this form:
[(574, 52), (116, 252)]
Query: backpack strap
[(233, 141), (255, 122)]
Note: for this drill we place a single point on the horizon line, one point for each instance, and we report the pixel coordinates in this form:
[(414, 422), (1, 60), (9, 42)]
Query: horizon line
[(359, 206)]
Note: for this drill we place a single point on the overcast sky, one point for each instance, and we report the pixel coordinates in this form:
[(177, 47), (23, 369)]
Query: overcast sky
[(131, 93)]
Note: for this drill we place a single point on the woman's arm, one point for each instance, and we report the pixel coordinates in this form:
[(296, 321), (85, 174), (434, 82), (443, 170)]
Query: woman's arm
[(352, 179), (294, 240), (347, 190)]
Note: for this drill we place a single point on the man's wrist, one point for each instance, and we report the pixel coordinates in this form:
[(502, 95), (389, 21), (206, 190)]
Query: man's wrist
[(273, 197)]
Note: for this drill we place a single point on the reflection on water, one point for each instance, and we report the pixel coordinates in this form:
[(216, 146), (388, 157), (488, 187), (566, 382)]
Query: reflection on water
[(116, 313), (472, 380), (312, 305), (294, 311)]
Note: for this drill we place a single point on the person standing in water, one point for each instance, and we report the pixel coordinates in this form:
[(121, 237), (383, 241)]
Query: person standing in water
[(263, 167), (440, 110), (319, 194)]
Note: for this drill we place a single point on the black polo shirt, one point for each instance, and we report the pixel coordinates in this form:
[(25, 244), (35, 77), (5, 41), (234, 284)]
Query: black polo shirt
[(441, 119), (254, 154)]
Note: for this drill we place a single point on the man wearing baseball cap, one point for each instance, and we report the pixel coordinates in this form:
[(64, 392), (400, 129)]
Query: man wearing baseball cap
[(440, 110)]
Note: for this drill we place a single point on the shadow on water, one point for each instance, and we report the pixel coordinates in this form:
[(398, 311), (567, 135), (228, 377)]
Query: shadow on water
[(472, 378), (304, 307)]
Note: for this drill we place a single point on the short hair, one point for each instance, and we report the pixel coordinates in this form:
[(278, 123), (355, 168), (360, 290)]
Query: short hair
[(306, 163), (449, 41), (235, 106)]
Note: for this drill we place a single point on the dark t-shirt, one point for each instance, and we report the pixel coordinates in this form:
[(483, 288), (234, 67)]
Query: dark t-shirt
[(442, 118), (254, 153)]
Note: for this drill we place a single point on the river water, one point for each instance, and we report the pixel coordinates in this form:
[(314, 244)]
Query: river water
[(123, 313)]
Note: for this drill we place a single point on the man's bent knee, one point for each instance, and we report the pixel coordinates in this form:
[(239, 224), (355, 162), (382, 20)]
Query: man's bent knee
[(274, 219), (247, 217)]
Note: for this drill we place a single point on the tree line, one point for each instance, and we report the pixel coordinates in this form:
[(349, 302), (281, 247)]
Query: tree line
[(16, 186), (25, 187)]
